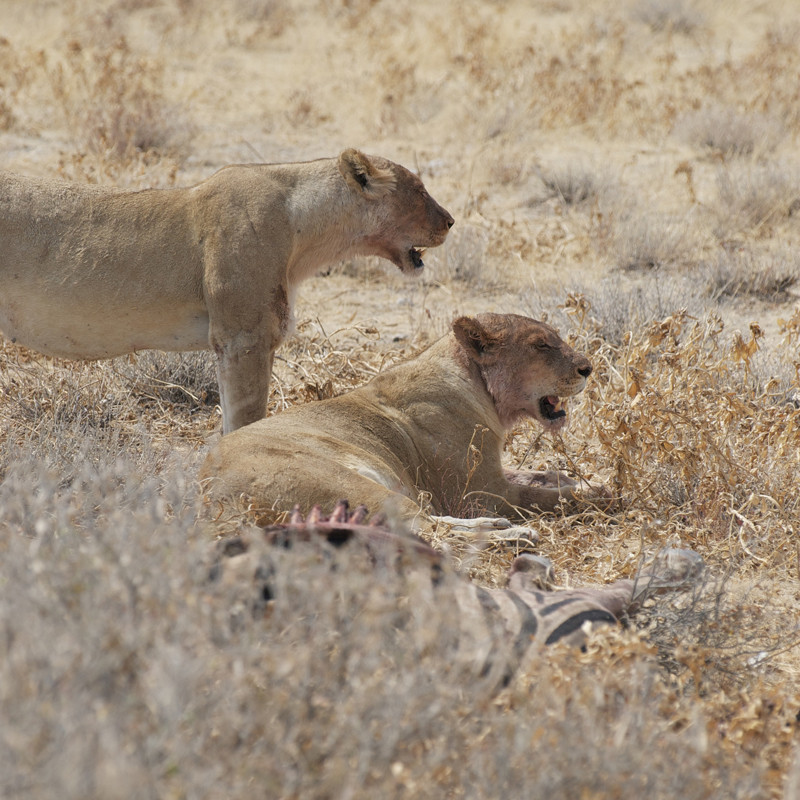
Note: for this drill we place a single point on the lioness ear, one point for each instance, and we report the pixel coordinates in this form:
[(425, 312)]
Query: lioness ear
[(363, 176), (473, 337)]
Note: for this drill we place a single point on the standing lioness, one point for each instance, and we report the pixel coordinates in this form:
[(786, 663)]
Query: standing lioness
[(435, 424), (90, 272)]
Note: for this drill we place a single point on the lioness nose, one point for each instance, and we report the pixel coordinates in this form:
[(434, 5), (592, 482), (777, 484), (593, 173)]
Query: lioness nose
[(585, 371), (450, 221)]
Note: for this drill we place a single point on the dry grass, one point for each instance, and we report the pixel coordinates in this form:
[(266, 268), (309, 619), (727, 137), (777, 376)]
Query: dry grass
[(692, 423), (463, 257), (765, 275), (653, 240), (126, 667), (754, 199), (120, 121), (115, 565), (620, 302), (572, 184), (727, 132), (673, 16), (624, 172)]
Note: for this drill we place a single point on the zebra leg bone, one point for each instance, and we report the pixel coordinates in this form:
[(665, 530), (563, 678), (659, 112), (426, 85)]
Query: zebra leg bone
[(529, 573), (478, 524), (496, 529)]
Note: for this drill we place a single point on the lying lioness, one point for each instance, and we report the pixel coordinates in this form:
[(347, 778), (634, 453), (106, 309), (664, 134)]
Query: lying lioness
[(90, 272), (432, 425)]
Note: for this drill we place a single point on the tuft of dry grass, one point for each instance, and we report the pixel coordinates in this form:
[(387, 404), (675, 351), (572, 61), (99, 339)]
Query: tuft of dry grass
[(463, 258), (729, 132), (315, 365), (752, 198), (179, 382), (673, 16), (615, 305), (644, 240), (744, 272), (573, 184)]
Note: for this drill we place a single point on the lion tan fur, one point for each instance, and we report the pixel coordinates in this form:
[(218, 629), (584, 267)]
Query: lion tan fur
[(92, 272), (432, 425)]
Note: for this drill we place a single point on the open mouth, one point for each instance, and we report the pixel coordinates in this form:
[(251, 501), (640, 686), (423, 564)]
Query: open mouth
[(416, 253), (552, 408)]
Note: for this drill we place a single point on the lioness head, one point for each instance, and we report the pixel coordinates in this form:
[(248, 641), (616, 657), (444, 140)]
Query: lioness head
[(527, 367), (406, 218)]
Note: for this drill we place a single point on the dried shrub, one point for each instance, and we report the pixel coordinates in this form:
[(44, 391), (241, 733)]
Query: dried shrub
[(685, 422), (572, 184), (463, 257), (752, 198), (738, 627), (745, 272), (678, 16), (731, 132), (649, 240)]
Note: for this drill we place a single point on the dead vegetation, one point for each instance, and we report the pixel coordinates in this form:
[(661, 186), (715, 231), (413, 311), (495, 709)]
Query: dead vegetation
[(625, 172), (114, 106), (754, 199), (729, 133), (672, 16), (743, 271), (110, 609)]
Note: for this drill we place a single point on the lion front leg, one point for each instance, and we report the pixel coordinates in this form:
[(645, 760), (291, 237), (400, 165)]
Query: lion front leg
[(244, 368), (546, 490), (244, 332), (552, 478)]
